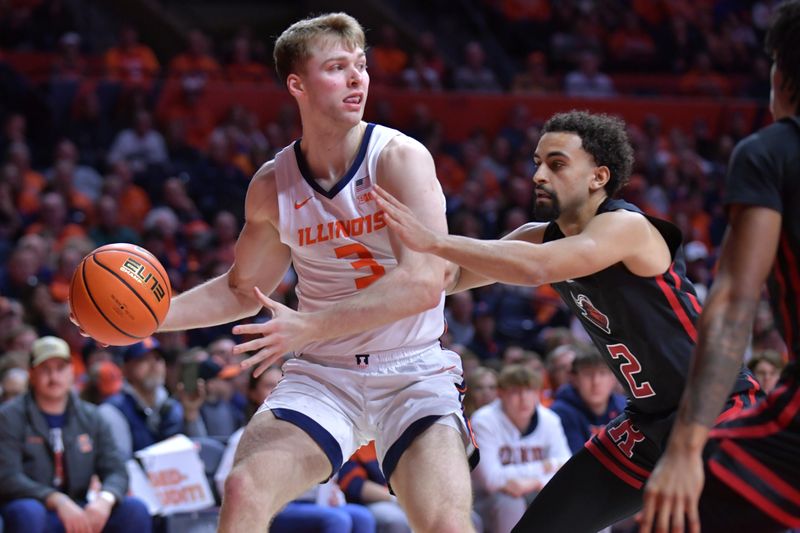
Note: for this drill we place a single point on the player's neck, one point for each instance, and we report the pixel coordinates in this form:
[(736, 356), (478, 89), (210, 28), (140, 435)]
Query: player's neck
[(329, 152), (573, 221)]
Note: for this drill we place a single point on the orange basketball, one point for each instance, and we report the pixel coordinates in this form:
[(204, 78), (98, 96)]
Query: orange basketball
[(119, 294)]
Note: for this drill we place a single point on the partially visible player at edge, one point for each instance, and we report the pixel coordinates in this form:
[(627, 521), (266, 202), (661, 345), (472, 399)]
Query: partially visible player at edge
[(751, 480), (623, 275), (368, 365)]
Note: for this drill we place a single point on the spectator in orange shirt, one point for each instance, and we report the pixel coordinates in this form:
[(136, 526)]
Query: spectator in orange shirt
[(242, 67), (79, 206), (702, 80), (53, 222), (68, 261), (132, 64), (132, 200), (187, 107), (196, 62), (28, 184), (630, 45), (387, 59)]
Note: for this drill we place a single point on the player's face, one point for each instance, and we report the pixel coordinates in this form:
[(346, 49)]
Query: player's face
[(563, 172), (335, 81)]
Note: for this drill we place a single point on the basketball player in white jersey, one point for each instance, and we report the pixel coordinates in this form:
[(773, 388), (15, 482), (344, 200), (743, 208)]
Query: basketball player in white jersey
[(368, 364)]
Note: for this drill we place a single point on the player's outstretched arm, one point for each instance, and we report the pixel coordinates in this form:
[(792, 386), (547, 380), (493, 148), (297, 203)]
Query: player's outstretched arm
[(261, 260), (608, 239), (723, 332), (458, 279)]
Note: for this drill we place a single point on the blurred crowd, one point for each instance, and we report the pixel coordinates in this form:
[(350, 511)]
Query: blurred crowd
[(87, 159)]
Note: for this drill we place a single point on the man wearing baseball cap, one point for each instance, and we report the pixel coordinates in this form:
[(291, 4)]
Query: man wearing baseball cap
[(142, 412), (51, 444)]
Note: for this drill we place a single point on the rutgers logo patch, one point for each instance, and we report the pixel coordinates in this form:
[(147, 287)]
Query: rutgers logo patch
[(591, 313)]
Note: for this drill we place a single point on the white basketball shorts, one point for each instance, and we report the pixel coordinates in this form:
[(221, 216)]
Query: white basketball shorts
[(391, 397)]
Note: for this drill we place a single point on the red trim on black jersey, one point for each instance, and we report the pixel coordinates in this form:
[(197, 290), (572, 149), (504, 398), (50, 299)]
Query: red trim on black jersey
[(765, 474), (732, 411), (692, 298), (612, 466), (679, 311), (767, 428), (751, 494), (771, 399)]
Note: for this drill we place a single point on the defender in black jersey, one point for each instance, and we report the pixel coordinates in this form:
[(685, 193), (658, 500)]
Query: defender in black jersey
[(752, 467), (623, 274)]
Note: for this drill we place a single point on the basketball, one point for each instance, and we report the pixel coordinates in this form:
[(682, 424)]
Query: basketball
[(119, 294)]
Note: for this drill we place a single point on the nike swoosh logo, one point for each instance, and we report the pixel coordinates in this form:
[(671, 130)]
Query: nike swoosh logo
[(298, 205)]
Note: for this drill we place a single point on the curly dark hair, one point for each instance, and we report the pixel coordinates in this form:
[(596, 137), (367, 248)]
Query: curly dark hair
[(604, 138), (781, 44)]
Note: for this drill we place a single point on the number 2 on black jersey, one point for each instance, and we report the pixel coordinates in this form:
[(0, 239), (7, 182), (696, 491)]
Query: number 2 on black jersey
[(629, 369)]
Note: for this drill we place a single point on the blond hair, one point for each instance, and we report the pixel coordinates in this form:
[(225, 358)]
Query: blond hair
[(519, 376), (293, 47)]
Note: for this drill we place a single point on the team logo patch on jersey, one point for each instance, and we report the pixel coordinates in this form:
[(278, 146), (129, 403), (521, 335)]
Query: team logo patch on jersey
[(590, 312), (362, 360)]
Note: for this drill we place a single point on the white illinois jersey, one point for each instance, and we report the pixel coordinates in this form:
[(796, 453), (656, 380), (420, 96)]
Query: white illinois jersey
[(508, 453), (340, 245)]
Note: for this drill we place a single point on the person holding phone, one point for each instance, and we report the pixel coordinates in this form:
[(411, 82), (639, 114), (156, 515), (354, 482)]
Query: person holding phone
[(143, 413)]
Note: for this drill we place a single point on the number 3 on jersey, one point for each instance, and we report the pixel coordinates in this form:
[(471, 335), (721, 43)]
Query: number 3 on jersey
[(629, 368), (365, 260)]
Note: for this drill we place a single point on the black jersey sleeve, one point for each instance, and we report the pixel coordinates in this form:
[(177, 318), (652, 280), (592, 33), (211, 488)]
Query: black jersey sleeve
[(754, 173)]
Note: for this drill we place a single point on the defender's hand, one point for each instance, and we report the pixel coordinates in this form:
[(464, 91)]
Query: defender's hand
[(402, 221)]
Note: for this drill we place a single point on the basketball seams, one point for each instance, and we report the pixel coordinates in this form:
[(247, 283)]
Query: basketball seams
[(164, 280), (97, 307), (131, 287)]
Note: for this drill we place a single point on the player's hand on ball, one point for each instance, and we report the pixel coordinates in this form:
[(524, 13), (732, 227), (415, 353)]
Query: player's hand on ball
[(402, 221), (83, 333), (285, 332)]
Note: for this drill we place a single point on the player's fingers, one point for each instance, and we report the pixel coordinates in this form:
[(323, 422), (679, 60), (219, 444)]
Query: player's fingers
[(251, 346), (265, 365), (267, 302), (269, 350), (677, 516), (693, 517), (254, 328), (390, 200), (648, 512), (664, 513)]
